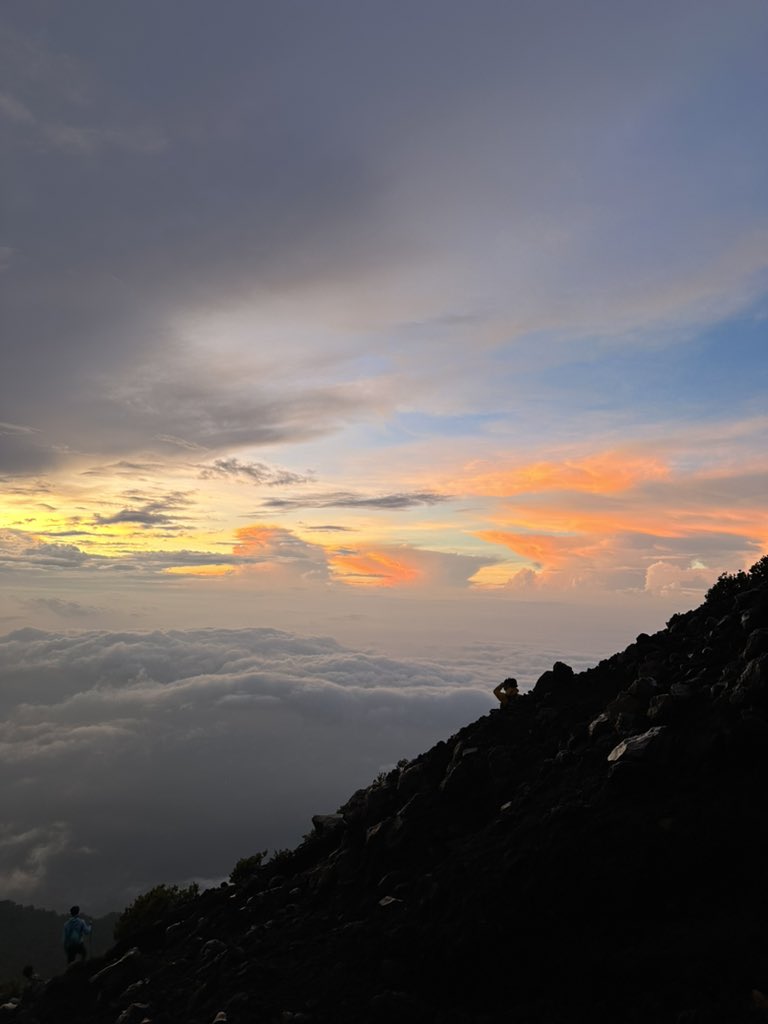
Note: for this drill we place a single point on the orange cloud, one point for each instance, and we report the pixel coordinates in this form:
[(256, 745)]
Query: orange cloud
[(608, 472), (612, 542), (642, 516), (406, 566), (547, 551), (373, 568), (253, 539), (282, 555)]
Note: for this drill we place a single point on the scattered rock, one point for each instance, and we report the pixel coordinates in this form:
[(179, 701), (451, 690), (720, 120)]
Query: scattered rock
[(558, 678), (600, 726), (327, 824), (637, 747), (390, 903), (133, 1014)]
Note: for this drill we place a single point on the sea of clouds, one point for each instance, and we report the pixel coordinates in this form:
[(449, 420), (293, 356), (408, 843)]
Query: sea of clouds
[(133, 758)]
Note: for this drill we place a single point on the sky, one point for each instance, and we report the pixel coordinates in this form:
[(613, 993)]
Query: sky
[(355, 354)]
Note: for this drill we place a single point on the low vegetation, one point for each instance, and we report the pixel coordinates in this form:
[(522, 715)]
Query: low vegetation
[(730, 584), (151, 907)]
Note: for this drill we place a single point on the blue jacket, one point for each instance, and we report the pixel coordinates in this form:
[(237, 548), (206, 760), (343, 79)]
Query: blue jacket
[(74, 930)]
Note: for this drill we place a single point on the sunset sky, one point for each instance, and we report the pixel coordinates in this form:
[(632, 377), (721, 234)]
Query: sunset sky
[(433, 328)]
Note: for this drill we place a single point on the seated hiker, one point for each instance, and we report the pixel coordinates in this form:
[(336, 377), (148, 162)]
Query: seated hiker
[(74, 931), (33, 984), (506, 691)]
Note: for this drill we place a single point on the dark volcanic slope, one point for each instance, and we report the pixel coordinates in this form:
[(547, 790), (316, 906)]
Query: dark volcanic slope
[(595, 853)]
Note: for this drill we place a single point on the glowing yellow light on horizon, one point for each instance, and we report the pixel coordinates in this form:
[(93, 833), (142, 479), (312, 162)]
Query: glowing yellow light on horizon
[(199, 570), (496, 575)]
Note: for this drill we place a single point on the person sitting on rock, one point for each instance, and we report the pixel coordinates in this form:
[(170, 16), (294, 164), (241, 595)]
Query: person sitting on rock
[(33, 984), (74, 931), (506, 692)]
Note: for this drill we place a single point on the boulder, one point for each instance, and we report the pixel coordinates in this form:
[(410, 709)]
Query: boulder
[(555, 680), (412, 780), (391, 903), (414, 807), (752, 684), (600, 726), (464, 778), (755, 616), (212, 948), (643, 688), (628, 723), (624, 703), (661, 708), (683, 691), (133, 993), (376, 835), (757, 643), (379, 801), (354, 809), (327, 824), (637, 747), (134, 1014), (117, 976)]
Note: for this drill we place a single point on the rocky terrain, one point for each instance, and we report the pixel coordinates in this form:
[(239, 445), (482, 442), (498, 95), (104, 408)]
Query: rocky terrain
[(596, 852)]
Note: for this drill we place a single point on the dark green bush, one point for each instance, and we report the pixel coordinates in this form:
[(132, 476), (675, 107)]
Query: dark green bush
[(280, 859), (246, 867), (152, 907), (728, 585)]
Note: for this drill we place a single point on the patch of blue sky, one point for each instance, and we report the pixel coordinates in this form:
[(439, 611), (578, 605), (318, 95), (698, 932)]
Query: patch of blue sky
[(407, 427), (716, 373), (420, 424), (731, 362)]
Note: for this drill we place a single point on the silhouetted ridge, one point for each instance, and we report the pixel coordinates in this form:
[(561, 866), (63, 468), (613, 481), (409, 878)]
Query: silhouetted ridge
[(595, 853)]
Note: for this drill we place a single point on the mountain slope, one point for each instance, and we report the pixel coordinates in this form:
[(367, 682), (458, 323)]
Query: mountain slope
[(595, 852)]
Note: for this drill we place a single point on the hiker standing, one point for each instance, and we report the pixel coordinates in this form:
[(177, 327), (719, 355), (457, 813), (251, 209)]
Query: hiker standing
[(74, 931)]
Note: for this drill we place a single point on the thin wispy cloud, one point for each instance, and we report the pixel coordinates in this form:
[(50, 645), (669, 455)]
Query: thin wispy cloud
[(127, 469), (255, 472), (345, 499), (329, 529), (79, 139), (15, 429), (163, 511)]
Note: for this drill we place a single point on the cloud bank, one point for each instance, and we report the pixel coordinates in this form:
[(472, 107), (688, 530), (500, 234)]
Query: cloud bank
[(133, 758)]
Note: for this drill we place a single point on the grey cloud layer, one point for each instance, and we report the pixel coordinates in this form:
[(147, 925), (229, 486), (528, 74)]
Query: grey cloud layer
[(255, 472), (146, 511), (346, 499), (271, 153), (130, 758), (21, 551)]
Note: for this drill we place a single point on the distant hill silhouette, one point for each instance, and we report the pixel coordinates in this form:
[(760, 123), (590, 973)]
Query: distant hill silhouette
[(29, 935), (596, 853)]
